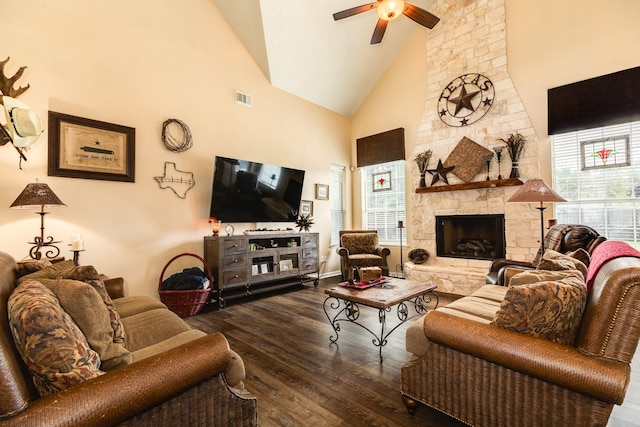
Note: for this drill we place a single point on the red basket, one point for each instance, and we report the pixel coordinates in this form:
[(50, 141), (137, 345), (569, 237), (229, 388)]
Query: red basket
[(185, 303)]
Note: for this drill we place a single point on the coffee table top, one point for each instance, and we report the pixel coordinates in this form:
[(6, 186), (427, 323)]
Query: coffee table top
[(393, 291)]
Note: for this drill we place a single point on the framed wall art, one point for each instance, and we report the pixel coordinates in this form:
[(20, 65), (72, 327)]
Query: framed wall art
[(382, 181), (322, 192), (603, 153), (90, 149), (306, 207)]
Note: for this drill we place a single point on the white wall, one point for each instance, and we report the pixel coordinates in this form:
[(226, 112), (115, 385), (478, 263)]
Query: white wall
[(138, 64)]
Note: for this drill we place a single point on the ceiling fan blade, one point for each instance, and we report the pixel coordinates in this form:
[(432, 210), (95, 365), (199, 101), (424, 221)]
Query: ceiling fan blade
[(354, 11), (378, 33), (421, 16)]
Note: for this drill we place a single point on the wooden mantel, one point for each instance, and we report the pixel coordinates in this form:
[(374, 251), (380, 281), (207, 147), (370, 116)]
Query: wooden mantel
[(509, 182)]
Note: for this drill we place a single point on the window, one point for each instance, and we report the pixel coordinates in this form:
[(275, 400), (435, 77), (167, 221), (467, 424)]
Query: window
[(270, 175), (597, 172), (336, 201), (383, 190)]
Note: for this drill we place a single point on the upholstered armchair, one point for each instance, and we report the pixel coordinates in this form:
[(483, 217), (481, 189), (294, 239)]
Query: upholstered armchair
[(561, 238), (359, 248)]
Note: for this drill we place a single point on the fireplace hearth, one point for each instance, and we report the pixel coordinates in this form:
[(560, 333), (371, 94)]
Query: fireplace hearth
[(470, 236)]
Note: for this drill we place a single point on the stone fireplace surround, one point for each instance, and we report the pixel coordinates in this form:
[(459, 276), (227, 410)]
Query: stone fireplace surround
[(471, 38)]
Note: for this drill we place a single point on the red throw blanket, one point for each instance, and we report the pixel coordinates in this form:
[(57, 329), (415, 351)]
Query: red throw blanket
[(604, 252)]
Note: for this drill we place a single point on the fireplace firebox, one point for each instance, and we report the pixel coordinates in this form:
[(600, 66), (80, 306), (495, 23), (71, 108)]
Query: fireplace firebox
[(470, 236)]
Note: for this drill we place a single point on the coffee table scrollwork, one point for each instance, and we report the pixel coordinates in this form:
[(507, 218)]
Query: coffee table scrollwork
[(343, 305)]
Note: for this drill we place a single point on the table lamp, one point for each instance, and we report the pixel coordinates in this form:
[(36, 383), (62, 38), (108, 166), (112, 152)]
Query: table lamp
[(536, 191), (39, 196)]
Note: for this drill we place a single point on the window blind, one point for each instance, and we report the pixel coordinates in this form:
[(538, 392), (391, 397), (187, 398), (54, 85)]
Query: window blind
[(336, 201)]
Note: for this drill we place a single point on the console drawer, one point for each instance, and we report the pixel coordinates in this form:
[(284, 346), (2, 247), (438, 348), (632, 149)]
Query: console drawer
[(235, 245), (234, 276), (235, 261)]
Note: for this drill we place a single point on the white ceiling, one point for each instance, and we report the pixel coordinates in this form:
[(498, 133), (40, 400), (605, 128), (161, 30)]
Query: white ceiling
[(302, 50)]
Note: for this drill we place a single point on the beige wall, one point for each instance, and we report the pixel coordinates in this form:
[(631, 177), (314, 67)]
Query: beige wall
[(138, 64), (549, 43)]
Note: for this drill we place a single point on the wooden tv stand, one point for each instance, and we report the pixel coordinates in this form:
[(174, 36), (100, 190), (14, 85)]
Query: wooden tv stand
[(258, 262)]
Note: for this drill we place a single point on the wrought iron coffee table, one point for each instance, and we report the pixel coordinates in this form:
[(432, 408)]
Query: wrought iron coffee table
[(343, 305)]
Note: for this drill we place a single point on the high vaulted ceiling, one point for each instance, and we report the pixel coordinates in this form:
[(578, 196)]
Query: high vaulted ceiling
[(302, 50)]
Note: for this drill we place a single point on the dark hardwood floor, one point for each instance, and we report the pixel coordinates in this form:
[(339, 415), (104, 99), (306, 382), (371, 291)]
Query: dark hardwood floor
[(300, 378)]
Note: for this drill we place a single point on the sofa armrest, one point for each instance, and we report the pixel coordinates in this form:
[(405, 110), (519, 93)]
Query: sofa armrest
[(555, 363), (121, 394), (498, 263)]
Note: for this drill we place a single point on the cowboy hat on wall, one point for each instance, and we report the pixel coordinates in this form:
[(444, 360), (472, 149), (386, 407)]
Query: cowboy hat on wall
[(23, 124)]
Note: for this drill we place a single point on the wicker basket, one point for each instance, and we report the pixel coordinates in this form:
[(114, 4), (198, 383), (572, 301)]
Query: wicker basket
[(185, 303)]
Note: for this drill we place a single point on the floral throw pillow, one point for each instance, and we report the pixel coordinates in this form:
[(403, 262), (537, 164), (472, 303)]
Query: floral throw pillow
[(551, 310), (52, 346)]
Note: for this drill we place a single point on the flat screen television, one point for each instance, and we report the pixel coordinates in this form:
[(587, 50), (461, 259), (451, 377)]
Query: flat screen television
[(245, 191)]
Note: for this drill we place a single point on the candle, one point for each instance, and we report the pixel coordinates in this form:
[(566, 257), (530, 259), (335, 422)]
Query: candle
[(76, 242)]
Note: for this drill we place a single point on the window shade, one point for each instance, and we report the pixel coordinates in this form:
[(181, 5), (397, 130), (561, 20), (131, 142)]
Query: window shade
[(380, 148), (602, 101)]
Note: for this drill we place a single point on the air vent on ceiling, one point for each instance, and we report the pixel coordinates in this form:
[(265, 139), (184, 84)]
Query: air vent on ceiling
[(244, 99)]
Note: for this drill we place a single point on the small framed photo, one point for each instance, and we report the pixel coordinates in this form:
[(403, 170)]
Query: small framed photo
[(264, 268), (306, 207), (382, 181), (254, 270), (90, 149), (286, 265), (322, 192)]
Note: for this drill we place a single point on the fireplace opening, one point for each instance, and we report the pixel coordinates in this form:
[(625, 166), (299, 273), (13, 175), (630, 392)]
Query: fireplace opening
[(470, 236)]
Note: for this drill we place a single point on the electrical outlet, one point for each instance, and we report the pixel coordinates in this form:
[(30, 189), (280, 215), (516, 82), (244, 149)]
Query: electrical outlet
[(323, 259)]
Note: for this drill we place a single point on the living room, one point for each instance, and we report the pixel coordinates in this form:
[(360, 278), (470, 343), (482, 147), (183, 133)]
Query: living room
[(138, 64)]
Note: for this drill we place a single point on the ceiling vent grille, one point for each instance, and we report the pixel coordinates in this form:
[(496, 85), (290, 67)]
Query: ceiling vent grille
[(244, 99)]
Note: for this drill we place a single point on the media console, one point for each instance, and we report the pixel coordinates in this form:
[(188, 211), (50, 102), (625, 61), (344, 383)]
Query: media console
[(254, 263)]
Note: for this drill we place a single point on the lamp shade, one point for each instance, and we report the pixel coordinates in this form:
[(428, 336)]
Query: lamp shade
[(390, 9), (534, 191), (37, 196)]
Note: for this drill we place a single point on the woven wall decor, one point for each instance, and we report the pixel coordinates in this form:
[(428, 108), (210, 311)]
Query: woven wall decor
[(468, 159), (180, 140)]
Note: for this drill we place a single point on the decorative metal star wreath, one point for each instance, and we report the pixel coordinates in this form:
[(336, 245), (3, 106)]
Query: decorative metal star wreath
[(304, 222)]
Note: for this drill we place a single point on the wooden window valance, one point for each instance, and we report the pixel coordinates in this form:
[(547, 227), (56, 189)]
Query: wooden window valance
[(602, 101), (380, 148)]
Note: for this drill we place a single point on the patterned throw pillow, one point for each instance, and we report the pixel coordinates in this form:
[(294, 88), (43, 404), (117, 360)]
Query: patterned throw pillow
[(49, 272), (88, 274), (552, 260), (551, 310), (52, 346), (85, 306), (360, 243)]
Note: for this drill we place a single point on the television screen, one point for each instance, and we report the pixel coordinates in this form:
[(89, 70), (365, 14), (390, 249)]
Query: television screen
[(245, 191)]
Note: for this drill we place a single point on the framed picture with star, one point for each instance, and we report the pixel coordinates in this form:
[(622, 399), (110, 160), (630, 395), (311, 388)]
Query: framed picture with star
[(382, 181), (90, 149)]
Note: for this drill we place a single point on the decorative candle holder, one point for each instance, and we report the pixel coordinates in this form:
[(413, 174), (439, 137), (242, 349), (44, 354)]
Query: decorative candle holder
[(498, 151), (487, 164)]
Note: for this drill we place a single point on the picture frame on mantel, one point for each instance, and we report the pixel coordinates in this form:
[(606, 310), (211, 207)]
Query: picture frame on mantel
[(322, 192), (90, 149)]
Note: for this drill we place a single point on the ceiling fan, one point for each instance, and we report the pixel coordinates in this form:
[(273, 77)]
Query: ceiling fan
[(388, 10)]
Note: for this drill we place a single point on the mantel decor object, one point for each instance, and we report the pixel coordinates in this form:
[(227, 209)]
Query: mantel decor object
[(515, 146), (536, 191), (40, 196), (422, 160)]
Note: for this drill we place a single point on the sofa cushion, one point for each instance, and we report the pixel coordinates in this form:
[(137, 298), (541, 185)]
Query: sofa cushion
[(552, 260), (551, 310), (88, 274), (84, 304), (360, 243), (129, 306), (533, 276), (48, 272), (151, 327), (54, 349)]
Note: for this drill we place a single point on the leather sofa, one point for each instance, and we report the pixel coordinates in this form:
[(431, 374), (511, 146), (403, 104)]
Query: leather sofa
[(176, 376), (465, 365), (561, 238)]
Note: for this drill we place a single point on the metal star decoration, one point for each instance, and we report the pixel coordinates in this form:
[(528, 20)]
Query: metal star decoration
[(304, 222), (440, 173)]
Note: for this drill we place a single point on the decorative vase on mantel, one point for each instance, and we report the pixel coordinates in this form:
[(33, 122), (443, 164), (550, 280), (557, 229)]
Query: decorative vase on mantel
[(422, 160), (515, 146)]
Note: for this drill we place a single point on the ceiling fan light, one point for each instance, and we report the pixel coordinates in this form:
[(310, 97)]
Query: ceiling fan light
[(390, 9)]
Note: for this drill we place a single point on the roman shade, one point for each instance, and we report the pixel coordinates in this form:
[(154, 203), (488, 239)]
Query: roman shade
[(380, 148), (602, 101)]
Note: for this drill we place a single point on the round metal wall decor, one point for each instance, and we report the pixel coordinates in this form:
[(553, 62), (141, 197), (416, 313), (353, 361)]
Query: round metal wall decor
[(466, 100), (180, 143)]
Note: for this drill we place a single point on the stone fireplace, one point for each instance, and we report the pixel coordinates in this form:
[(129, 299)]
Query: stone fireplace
[(470, 236), (471, 38)]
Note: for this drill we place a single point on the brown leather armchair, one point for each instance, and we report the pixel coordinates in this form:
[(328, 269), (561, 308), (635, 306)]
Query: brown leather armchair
[(359, 248), (561, 238)]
